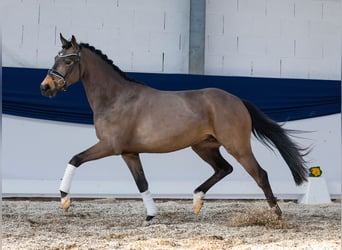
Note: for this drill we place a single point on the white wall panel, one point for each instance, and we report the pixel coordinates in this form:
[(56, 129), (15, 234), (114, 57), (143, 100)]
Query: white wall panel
[(308, 48), (214, 24), (178, 20), (294, 28), (28, 12), (222, 6), (266, 27), (48, 44), (149, 20), (55, 13), (251, 8), (215, 43), (112, 26), (282, 30), (147, 61), (331, 49), (237, 65), (295, 33), (157, 40), (280, 47), (175, 62), (238, 25), (252, 45), (280, 8), (323, 68), (332, 11), (266, 67), (14, 34), (295, 68), (214, 64), (173, 175), (325, 30), (309, 9)]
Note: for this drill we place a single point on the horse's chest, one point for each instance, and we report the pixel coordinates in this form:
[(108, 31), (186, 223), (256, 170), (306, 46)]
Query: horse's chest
[(109, 127)]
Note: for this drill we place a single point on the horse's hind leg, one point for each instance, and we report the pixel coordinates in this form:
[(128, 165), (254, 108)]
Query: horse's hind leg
[(210, 153), (248, 161)]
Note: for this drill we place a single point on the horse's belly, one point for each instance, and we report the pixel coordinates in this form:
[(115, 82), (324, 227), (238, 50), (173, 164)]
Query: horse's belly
[(167, 141)]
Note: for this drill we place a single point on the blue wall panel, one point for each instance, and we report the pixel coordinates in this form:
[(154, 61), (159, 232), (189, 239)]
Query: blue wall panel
[(281, 99)]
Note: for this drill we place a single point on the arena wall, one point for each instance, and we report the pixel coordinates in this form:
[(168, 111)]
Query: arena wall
[(289, 38), (35, 154)]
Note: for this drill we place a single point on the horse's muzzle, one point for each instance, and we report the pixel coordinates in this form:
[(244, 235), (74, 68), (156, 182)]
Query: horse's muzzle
[(47, 91), (47, 87)]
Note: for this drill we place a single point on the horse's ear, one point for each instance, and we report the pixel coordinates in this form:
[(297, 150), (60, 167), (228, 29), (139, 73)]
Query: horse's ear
[(74, 43), (63, 40)]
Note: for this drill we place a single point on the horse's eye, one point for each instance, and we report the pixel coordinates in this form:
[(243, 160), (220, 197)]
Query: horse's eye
[(68, 62)]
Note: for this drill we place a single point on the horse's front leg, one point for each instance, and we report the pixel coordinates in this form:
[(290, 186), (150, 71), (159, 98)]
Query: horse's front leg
[(134, 164), (99, 150)]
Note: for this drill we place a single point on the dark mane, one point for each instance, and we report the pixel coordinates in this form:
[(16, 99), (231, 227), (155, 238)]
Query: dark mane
[(107, 60), (104, 57)]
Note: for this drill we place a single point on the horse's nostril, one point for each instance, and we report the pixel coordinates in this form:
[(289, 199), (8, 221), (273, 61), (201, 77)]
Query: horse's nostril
[(44, 87)]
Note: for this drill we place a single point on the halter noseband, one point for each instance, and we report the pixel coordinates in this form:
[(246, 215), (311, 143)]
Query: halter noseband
[(62, 77)]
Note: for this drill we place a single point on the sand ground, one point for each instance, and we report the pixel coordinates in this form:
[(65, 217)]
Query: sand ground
[(118, 224)]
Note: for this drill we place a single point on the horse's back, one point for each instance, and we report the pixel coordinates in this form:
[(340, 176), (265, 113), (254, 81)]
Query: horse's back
[(212, 105)]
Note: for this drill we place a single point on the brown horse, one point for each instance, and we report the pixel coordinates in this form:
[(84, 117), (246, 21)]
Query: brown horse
[(132, 118)]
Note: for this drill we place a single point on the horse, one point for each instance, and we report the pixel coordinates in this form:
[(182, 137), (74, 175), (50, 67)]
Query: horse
[(132, 118)]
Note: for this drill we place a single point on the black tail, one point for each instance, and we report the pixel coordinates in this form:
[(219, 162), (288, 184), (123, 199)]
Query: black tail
[(272, 134)]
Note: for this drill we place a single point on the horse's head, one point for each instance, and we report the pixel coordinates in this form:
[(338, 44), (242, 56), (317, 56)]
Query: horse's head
[(66, 69)]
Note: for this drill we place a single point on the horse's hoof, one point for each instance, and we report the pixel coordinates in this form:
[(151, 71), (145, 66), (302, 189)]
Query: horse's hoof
[(198, 201), (66, 202), (277, 211), (148, 221), (197, 206), (149, 217)]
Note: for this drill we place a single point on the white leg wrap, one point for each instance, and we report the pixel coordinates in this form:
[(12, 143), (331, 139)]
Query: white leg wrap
[(149, 203), (198, 197), (67, 178)]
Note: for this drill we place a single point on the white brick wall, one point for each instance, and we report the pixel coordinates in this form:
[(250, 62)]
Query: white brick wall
[(274, 38), (133, 34)]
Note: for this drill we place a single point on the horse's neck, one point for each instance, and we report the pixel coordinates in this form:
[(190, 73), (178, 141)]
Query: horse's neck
[(101, 82)]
